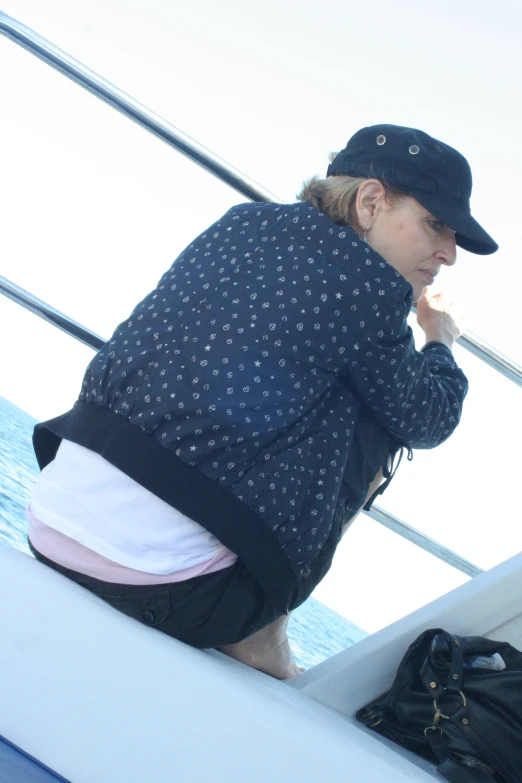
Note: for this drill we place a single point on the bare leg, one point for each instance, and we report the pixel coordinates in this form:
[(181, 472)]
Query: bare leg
[(267, 650), (376, 483)]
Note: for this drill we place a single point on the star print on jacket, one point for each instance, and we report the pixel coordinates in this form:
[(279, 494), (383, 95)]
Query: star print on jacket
[(250, 358)]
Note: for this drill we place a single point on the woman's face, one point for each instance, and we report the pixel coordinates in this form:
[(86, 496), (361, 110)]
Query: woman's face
[(411, 240)]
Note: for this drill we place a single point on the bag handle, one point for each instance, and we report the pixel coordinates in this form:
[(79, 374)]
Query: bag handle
[(453, 772), (453, 682), (461, 719)]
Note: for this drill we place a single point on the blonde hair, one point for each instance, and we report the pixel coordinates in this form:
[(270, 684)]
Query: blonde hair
[(335, 197)]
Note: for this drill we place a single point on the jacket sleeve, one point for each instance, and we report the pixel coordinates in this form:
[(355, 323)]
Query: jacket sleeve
[(416, 396)]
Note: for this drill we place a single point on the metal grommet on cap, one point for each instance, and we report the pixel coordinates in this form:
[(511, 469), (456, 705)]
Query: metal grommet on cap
[(381, 139), (414, 149)]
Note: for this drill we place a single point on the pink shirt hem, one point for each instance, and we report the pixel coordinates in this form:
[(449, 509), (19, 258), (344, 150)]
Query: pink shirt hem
[(68, 553)]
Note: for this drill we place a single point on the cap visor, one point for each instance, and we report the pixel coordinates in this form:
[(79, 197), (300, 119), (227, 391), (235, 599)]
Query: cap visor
[(469, 234)]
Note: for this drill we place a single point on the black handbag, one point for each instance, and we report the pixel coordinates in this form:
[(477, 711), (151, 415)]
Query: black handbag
[(456, 701)]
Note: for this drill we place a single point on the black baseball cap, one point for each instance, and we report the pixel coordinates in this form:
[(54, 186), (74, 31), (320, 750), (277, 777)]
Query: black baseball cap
[(436, 175)]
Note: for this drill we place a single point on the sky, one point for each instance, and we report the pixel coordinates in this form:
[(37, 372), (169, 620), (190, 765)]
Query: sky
[(94, 209)]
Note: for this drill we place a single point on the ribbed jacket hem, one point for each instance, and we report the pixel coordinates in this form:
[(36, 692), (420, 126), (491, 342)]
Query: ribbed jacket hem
[(182, 486)]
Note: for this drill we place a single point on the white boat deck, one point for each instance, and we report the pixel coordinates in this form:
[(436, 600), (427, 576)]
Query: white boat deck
[(101, 699)]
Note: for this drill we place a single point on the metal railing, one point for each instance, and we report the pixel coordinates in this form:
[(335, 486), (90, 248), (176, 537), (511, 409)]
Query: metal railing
[(491, 356), (94, 341), (470, 341), (203, 157), (50, 314), (135, 111), (423, 541)]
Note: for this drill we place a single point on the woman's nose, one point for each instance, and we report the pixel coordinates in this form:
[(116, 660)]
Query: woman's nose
[(448, 253)]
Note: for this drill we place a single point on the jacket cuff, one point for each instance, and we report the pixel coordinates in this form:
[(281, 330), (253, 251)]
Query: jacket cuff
[(436, 344)]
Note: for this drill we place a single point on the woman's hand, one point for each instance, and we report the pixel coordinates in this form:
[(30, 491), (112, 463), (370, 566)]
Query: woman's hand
[(439, 318)]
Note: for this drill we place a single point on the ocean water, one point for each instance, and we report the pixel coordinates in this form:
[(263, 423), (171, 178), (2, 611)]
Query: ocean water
[(315, 632)]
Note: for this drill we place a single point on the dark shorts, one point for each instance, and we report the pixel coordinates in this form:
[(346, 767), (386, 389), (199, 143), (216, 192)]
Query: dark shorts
[(213, 610)]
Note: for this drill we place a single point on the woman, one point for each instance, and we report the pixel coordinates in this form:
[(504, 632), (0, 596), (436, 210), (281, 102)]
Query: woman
[(234, 424)]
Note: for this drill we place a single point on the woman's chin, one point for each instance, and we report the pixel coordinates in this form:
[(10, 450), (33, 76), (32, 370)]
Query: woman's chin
[(418, 292)]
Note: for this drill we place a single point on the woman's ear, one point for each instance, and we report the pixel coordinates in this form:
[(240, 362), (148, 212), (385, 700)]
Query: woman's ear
[(370, 196)]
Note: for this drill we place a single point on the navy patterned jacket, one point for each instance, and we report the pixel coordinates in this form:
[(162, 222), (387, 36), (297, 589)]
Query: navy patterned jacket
[(233, 390)]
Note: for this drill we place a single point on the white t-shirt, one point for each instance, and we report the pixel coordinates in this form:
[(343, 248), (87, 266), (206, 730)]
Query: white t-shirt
[(87, 499)]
